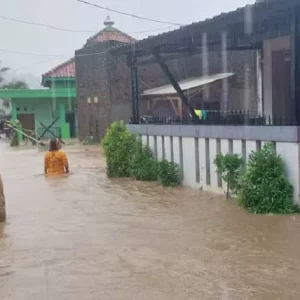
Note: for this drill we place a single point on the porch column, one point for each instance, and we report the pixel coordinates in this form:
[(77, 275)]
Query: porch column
[(295, 63), (13, 110), (14, 117), (62, 113), (64, 127)]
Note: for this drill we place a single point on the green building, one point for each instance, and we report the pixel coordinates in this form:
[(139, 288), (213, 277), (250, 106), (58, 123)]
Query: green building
[(37, 107)]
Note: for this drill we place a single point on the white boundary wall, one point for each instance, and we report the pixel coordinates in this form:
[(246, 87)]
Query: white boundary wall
[(195, 155)]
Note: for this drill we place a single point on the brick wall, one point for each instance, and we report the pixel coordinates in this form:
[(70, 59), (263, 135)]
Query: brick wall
[(93, 83), (241, 88)]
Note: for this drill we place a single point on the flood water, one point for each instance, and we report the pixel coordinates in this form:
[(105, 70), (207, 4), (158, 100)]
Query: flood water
[(87, 237)]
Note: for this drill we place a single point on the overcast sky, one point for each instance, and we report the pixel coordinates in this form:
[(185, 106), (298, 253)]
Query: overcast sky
[(71, 14)]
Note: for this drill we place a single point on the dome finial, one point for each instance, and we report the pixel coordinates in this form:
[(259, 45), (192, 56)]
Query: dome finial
[(108, 22)]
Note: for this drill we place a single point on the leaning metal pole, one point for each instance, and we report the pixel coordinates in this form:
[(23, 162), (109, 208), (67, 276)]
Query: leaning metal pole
[(174, 83)]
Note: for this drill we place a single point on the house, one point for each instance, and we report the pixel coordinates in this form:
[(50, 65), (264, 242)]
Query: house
[(62, 78), (258, 43), (54, 104), (36, 108), (271, 29)]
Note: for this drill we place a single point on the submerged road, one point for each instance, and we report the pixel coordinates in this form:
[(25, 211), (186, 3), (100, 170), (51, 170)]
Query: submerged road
[(87, 237)]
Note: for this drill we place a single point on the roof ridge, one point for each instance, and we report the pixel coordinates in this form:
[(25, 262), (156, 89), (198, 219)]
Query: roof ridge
[(104, 30), (106, 34), (63, 64)]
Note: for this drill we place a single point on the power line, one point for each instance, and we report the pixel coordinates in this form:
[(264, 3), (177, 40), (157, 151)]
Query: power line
[(50, 55), (30, 53), (69, 30), (44, 25), (34, 64), (128, 14), (153, 30)]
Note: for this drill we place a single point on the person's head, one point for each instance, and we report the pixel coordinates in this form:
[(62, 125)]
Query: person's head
[(54, 145)]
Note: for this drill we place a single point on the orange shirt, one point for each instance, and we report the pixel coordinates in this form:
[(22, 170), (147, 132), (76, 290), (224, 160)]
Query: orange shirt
[(55, 162)]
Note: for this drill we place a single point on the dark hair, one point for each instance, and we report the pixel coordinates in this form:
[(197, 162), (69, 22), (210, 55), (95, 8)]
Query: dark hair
[(53, 145)]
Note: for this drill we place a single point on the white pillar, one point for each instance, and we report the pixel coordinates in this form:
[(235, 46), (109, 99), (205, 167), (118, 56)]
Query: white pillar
[(189, 166), (202, 162), (168, 148), (213, 168), (250, 146), (144, 140), (159, 148), (176, 149)]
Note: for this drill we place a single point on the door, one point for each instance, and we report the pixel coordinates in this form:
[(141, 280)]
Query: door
[(70, 118), (27, 121), (281, 75)]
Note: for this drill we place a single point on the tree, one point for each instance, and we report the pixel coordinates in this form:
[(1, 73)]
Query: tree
[(2, 73), (15, 84)]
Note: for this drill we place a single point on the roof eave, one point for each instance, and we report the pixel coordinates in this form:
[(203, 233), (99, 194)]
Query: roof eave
[(47, 80)]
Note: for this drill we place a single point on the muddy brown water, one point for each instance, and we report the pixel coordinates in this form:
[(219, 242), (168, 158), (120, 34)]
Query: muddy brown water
[(87, 237)]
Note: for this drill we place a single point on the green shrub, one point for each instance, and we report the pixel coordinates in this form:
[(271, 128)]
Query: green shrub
[(119, 147), (264, 187), (143, 165), (229, 167), (127, 157), (168, 173)]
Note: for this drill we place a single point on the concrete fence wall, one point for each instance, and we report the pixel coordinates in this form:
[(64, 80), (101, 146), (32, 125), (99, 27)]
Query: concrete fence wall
[(194, 149)]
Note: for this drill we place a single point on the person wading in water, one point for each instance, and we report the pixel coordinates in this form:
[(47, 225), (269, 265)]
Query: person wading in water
[(2, 203), (56, 161)]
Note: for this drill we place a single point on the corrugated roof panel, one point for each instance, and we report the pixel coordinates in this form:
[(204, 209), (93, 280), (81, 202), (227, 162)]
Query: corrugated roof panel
[(187, 84)]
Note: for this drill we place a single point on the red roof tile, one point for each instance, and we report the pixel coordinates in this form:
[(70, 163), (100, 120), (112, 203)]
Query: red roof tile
[(66, 69), (109, 33)]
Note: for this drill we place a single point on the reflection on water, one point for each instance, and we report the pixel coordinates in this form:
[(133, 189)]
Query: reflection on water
[(87, 237)]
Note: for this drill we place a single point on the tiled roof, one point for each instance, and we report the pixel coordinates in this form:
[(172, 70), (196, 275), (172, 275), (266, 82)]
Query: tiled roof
[(109, 33), (279, 6), (66, 69)]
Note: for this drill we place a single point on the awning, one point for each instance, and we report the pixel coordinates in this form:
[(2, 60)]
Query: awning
[(188, 84)]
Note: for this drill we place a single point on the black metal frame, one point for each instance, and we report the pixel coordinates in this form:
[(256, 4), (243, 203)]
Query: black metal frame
[(135, 89), (229, 118), (174, 83), (270, 20), (50, 134), (46, 129), (57, 136)]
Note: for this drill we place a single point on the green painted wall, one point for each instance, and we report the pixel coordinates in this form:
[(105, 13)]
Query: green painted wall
[(64, 82), (43, 111)]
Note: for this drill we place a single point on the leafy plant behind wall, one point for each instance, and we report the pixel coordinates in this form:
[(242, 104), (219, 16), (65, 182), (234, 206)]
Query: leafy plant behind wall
[(229, 167), (119, 147), (168, 173), (264, 187), (127, 157), (143, 164)]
